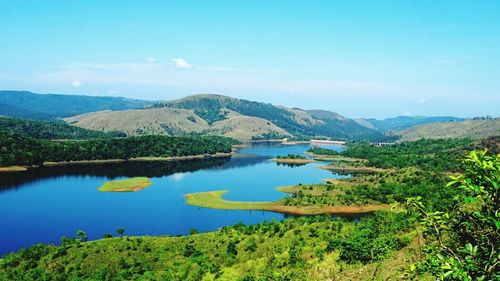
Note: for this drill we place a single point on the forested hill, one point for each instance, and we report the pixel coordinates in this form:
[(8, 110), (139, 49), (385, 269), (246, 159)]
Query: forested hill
[(50, 106), (297, 122), (52, 130), (21, 150)]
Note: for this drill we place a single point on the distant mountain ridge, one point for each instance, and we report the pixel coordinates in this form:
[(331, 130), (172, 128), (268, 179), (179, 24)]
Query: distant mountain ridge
[(403, 122), (52, 130), (26, 104), (297, 122), (227, 116), (469, 128)]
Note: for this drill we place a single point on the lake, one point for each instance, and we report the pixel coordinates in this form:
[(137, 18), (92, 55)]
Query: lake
[(44, 204)]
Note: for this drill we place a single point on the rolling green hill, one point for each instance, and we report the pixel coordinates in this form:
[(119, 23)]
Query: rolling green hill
[(50, 106), (51, 129), (173, 121), (403, 122), (296, 122), (475, 129)]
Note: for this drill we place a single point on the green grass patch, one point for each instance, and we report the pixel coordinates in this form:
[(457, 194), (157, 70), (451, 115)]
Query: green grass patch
[(213, 199), (126, 185)]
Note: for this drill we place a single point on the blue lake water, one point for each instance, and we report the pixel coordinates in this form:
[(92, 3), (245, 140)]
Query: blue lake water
[(44, 204)]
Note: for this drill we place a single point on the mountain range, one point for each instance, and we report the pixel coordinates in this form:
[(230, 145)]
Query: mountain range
[(26, 104), (226, 116)]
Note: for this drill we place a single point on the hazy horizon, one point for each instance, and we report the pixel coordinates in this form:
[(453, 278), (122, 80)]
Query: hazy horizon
[(360, 59)]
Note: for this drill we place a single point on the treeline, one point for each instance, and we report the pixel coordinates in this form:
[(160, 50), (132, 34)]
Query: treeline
[(322, 151), (51, 130), (426, 154), (17, 149), (290, 156)]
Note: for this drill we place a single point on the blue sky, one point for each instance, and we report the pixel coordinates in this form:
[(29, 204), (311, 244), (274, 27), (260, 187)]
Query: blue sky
[(358, 58)]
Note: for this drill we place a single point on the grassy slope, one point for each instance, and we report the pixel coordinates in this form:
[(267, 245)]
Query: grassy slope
[(297, 249), (164, 121), (475, 129), (169, 121), (126, 185), (230, 117)]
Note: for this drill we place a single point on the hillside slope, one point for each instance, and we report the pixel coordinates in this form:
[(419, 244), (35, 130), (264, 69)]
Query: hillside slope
[(50, 106), (50, 129), (402, 122), (475, 129), (297, 122), (174, 121)]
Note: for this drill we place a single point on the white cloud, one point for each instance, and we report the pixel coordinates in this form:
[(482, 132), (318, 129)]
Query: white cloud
[(150, 59), (181, 63), (76, 83), (422, 100), (205, 79), (112, 92), (405, 113)]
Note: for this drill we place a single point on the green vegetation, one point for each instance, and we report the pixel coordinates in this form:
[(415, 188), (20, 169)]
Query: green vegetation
[(403, 122), (476, 128), (435, 155), (463, 242), (126, 185), (441, 229), (20, 150), (297, 122), (293, 249), (213, 199), (322, 151), (290, 156), (25, 104), (292, 159), (325, 203), (51, 130)]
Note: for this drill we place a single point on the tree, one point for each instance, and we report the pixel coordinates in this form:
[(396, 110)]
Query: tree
[(120, 231), (464, 243), (81, 236)]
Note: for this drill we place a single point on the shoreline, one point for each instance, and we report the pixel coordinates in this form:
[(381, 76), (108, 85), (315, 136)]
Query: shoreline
[(214, 200), (22, 168), (362, 169), (293, 161)]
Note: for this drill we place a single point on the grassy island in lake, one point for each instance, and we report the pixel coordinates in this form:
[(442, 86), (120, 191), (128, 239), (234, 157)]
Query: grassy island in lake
[(292, 159), (214, 200), (126, 185)]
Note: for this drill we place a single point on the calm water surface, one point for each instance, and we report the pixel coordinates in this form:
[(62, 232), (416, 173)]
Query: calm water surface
[(45, 204)]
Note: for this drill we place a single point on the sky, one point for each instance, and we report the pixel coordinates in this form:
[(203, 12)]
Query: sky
[(358, 58)]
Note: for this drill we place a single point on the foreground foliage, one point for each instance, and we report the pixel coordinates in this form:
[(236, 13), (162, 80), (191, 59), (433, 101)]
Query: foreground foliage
[(464, 242)]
